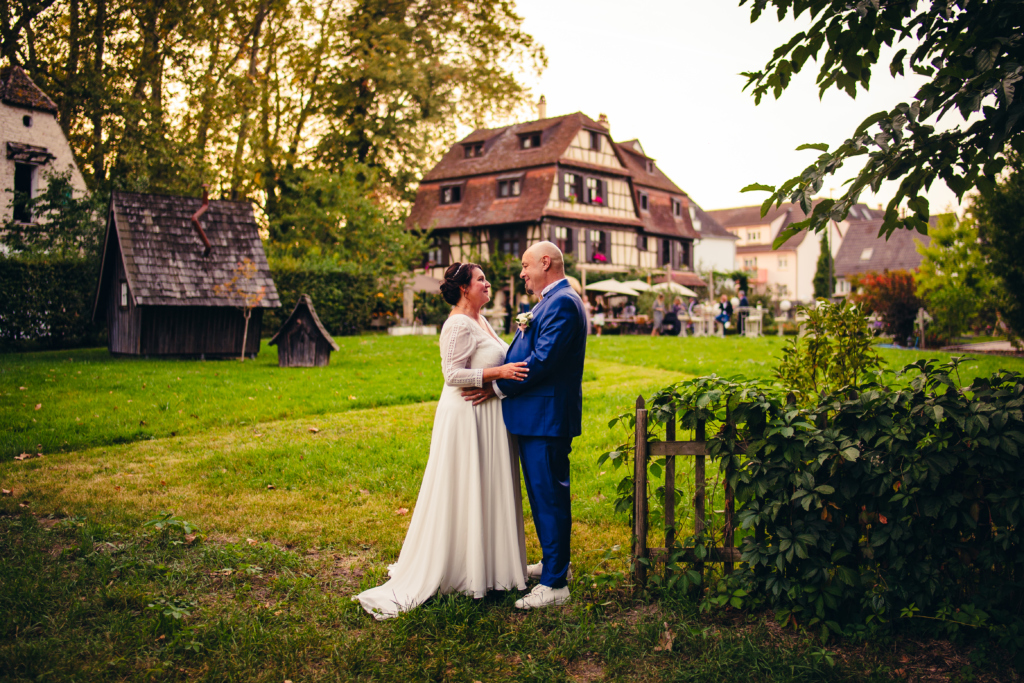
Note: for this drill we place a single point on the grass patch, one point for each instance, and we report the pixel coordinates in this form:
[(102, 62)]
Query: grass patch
[(88, 601), (298, 520)]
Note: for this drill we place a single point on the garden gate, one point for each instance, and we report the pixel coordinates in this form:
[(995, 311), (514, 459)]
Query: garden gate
[(670, 448)]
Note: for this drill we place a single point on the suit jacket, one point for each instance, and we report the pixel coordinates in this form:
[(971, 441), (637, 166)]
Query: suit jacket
[(550, 401)]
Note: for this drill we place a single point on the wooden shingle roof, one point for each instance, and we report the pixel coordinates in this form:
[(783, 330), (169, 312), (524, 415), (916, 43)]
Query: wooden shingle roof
[(17, 89), (305, 304), (163, 255)]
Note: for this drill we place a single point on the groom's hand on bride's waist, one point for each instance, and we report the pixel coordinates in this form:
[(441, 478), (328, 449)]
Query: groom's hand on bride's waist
[(478, 396)]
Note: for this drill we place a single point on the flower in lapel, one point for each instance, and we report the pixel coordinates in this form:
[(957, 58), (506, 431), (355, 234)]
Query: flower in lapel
[(523, 320)]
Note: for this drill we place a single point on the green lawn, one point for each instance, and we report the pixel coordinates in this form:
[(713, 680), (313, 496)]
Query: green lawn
[(295, 477)]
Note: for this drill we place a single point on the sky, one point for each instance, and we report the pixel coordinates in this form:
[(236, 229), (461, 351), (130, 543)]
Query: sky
[(667, 72)]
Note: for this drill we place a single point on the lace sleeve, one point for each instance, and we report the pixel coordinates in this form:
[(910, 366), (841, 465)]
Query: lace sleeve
[(457, 346)]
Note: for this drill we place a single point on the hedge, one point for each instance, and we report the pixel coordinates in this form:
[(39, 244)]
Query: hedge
[(901, 502), (47, 303), (343, 298)]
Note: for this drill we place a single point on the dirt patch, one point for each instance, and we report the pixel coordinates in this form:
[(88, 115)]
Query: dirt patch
[(585, 671)]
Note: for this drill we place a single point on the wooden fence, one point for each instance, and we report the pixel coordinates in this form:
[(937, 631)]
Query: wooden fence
[(671, 449)]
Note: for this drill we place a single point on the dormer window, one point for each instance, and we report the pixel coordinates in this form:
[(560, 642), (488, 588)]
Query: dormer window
[(643, 201), (595, 141), (451, 194), (866, 254), (677, 208), (474, 150), (510, 187), (529, 141), (650, 166)]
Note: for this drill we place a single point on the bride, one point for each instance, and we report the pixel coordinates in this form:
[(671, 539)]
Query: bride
[(466, 533)]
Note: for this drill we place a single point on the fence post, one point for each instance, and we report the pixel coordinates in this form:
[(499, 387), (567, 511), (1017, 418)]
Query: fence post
[(698, 495), (728, 541), (640, 494), (670, 486)]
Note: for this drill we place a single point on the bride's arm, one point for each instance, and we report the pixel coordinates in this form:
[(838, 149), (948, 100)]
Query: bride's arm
[(457, 346)]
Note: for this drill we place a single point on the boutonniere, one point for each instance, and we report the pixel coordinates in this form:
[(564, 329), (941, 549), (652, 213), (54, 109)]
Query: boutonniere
[(523, 320)]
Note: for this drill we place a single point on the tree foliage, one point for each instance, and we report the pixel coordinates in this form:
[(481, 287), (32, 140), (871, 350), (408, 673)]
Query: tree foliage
[(954, 278), (1000, 215), (265, 98), (824, 278), (893, 297), (971, 52)]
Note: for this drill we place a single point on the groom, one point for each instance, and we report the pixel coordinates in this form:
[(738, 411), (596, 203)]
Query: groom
[(544, 412)]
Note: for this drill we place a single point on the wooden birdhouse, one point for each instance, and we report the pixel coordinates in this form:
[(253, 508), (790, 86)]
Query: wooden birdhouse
[(302, 341)]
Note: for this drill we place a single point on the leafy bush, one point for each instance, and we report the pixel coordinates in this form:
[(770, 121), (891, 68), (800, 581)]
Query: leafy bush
[(835, 352), (895, 501), (893, 296), (954, 278), (344, 296), (46, 302)]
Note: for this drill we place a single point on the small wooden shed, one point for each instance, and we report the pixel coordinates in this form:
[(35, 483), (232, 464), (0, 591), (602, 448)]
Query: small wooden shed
[(302, 341), (166, 260)]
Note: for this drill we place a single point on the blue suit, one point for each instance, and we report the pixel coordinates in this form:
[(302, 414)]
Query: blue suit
[(545, 412)]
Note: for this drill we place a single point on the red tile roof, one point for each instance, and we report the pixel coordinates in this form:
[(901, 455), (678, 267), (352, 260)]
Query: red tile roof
[(17, 89), (636, 162), (502, 152), (502, 156)]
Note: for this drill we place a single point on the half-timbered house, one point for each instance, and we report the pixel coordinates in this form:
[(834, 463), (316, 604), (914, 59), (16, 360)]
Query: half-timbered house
[(563, 179)]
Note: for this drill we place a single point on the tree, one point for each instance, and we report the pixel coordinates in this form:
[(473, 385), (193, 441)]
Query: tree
[(954, 278), (893, 296), (824, 280), (1000, 215), (971, 51), (243, 291)]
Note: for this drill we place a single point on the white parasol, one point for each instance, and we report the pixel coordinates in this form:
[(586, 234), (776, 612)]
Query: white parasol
[(674, 288), (612, 287)]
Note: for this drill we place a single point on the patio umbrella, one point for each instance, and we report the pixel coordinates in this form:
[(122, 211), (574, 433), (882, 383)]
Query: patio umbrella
[(612, 287), (638, 285), (674, 288)]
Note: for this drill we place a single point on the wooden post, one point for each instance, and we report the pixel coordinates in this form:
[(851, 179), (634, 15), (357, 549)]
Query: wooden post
[(727, 536), (698, 497), (640, 494), (670, 487)]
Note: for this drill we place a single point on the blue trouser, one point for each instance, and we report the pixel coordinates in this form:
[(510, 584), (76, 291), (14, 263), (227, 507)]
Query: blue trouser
[(545, 462)]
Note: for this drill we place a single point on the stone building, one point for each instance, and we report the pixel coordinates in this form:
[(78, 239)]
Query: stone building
[(32, 140), (564, 179)]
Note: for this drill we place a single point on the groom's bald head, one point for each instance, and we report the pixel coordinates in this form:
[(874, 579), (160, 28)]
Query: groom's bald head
[(542, 265)]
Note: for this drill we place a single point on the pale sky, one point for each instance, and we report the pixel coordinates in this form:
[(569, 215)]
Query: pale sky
[(667, 72)]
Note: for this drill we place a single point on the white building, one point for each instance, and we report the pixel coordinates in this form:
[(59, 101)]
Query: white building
[(715, 247), (32, 140)]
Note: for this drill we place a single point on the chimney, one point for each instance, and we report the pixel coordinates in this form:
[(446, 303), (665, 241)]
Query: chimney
[(602, 120), (542, 108)]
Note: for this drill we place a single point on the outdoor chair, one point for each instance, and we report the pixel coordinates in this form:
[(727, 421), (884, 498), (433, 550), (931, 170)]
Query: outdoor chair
[(754, 323)]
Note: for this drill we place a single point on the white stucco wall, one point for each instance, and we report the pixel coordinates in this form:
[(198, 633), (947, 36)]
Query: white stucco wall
[(711, 253), (44, 131)]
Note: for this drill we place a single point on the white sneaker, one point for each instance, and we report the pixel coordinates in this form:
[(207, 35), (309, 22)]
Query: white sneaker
[(533, 571), (543, 596)]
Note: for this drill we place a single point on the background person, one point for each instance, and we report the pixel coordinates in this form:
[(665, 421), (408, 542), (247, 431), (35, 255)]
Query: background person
[(659, 314)]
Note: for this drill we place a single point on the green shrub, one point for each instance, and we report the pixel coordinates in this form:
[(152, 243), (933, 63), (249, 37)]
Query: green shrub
[(343, 296), (895, 501), (46, 302), (835, 352)]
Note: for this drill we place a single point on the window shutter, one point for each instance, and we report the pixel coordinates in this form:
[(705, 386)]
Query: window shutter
[(604, 192), (561, 186), (571, 240), (606, 242)]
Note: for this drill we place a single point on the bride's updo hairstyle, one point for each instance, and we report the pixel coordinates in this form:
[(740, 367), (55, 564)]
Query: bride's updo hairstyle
[(457, 276)]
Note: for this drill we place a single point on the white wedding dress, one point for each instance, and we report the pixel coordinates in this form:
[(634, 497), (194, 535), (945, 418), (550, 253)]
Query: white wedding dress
[(466, 533)]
